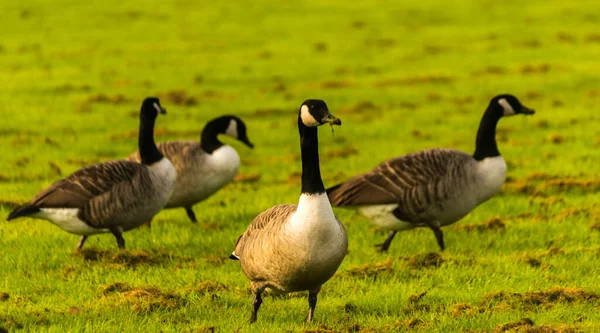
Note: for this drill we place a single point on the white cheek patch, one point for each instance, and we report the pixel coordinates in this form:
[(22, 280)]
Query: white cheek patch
[(308, 118), (508, 110), (158, 109), (232, 129)]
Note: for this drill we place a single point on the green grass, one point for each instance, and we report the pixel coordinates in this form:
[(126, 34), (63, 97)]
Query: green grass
[(402, 77)]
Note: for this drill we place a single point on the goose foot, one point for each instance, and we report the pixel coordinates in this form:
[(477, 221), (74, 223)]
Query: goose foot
[(256, 302), (81, 242), (118, 235), (439, 236), (383, 247), (190, 214)]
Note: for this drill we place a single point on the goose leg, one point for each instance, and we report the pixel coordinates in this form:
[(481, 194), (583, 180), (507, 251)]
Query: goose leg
[(118, 235), (81, 242), (256, 302), (312, 303), (439, 236), (190, 214), (383, 247)]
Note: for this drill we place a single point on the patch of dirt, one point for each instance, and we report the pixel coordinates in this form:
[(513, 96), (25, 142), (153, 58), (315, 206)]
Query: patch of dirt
[(527, 325), (177, 97), (415, 298), (268, 112), (533, 44), (565, 37), (406, 105), (83, 162), (107, 99), (360, 107), (207, 287), (9, 322), (545, 298), (462, 101), (521, 187), (55, 167), (542, 123), (434, 97), (334, 84), (416, 80), (380, 42), (540, 176), (129, 258), (556, 138), (493, 224), (535, 69), (574, 184), (371, 270), (320, 46), (592, 38), (51, 142), (574, 212), (265, 55), (413, 323), (68, 88), (525, 322), (533, 262), (21, 162), (342, 153), (142, 299), (294, 178), (420, 135), (424, 260), (595, 226), (247, 178), (4, 296), (350, 308), (462, 309)]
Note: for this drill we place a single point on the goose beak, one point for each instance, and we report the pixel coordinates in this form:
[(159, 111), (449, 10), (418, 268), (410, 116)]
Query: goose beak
[(526, 110), (331, 119), (163, 110)]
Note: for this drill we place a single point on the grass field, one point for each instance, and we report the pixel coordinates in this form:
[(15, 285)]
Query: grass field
[(402, 77)]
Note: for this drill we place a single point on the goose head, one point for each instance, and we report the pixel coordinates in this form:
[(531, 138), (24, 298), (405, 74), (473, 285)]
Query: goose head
[(508, 105), (151, 107), (231, 126), (314, 112)]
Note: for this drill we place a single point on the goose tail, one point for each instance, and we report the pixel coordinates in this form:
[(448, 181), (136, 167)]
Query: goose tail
[(24, 210)]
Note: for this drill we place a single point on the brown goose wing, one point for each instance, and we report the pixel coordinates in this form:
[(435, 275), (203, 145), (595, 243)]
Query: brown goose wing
[(82, 187), (415, 178), (270, 219)]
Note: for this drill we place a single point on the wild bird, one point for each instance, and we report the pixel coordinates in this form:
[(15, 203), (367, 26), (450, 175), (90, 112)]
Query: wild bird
[(296, 247), (435, 187), (113, 196), (203, 167)]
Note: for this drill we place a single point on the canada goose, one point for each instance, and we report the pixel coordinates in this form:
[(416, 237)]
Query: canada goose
[(114, 196), (435, 187), (296, 247), (203, 167)]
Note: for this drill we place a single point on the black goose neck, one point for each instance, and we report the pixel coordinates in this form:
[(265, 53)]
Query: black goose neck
[(309, 149), (148, 151), (209, 141), (486, 146)]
